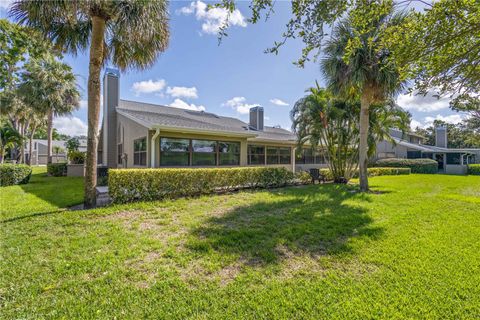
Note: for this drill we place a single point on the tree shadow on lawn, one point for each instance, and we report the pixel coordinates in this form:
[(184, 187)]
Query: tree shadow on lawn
[(308, 220)]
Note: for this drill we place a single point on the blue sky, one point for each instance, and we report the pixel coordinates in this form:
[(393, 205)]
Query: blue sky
[(198, 73)]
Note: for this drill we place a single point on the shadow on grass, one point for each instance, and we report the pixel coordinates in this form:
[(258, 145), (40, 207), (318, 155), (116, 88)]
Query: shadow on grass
[(58, 192), (315, 220), (32, 215)]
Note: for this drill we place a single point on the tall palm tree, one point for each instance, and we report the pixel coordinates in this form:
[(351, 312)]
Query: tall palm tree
[(128, 33), (49, 86), (363, 69)]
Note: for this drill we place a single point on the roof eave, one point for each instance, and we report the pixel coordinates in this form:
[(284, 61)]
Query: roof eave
[(203, 131)]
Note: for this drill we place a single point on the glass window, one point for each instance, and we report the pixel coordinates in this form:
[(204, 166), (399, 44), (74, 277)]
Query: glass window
[(204, 153), (256, 154), (272, 155), (119, 153), (453, 158), (308, 157), (285, 155), (320, 157), (229, 153), (174, 152), (140, 152)]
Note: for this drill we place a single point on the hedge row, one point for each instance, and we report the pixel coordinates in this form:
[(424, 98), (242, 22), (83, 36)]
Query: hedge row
[(126, 185), (57, 169), (304, 177), (416, 165), (11, 174), (474, 169)]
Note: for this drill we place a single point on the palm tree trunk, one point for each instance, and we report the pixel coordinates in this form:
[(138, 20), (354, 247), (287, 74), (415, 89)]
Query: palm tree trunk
[(30, 145), (22, 144), (49, 136), (95, 65), (363, 145)]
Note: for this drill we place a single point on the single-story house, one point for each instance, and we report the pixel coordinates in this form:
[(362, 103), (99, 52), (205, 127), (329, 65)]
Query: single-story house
[(40, 147), (410, 146), (142, 135)]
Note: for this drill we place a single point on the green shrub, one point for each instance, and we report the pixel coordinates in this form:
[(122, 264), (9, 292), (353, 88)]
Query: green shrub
[(152, 184), (378, 171), (416, 165), (11, 174), (474, 169), (57, 169), (76, 157)]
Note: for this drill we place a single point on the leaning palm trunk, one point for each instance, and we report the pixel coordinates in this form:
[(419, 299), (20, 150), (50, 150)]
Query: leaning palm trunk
[(363, 143), (49, 136), (30, 145), (96, 58)]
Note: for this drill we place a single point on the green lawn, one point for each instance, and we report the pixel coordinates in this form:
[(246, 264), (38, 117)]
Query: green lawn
[(409, 250)]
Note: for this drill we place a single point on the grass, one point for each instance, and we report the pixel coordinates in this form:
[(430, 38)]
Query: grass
[(409, 250)]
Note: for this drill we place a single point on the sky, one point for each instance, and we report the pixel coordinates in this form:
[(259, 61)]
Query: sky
[(198, 73)]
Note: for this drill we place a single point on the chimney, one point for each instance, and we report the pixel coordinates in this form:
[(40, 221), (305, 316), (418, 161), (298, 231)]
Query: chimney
[(441, 137), (111, 89), (256, 118)]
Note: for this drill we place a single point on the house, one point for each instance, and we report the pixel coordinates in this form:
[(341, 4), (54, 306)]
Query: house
[(40, 147), (410, 146), (142, 135)]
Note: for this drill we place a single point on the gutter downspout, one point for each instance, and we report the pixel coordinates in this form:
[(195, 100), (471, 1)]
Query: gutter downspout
[(152, 154)]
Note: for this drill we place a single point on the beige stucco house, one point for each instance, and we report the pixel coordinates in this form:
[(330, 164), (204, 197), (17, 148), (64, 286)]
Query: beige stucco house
[(141, 135)]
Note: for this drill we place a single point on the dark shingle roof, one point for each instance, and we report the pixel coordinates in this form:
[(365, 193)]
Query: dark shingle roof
[(151, 116)]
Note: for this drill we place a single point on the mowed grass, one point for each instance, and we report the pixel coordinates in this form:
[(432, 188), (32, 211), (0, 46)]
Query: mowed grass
[(410, 249)]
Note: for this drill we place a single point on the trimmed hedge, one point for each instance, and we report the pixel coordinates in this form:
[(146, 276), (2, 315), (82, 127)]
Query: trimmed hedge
[(378, 171), (416, 165), (57, 169), (11, 174), (125, 185), (77, 157), (474, 169)]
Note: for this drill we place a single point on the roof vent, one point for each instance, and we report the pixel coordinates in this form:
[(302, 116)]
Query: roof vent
[(256, 118)]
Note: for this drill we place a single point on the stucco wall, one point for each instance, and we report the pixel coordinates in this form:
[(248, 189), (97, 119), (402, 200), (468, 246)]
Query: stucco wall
[(130, 131)]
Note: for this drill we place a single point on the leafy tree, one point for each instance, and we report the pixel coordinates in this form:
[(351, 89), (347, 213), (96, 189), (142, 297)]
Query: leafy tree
[(362, 69), (461, 135), (41, 133), (49, 87), (9, 137), (469, 104), (331, 122), (57, 150), (72, 144), (440, 46), (130, 34)]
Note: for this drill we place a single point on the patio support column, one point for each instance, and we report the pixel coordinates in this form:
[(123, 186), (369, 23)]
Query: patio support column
[(152, 149), (293, 159)]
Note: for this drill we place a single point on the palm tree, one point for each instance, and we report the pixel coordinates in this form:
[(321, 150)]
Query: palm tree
[(363, 69), (49, 87), (128, 33), (9, 137), (325, 120)]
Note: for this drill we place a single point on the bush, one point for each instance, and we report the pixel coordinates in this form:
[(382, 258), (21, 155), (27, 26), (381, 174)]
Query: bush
[(11, 174), (416, 165), (474, 169), (76, 157), (57, 169), (375, 172), (153, 184)]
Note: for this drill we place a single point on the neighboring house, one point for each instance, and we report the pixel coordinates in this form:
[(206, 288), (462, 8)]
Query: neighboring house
[(409, 146), (39, 150), (141, 135)]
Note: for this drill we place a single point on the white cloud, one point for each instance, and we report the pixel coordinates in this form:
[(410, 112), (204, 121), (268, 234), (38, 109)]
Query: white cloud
[(239, 104), (428, 121), (183, 92), (278, 102), (179, 103), (72, 126), (214, 18), (83, 104), (149, 86), (422, 103)]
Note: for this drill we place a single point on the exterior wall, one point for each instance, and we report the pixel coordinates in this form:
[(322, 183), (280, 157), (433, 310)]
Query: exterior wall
[(130, 131), (455, 169), (388, 147), (307, 167)]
